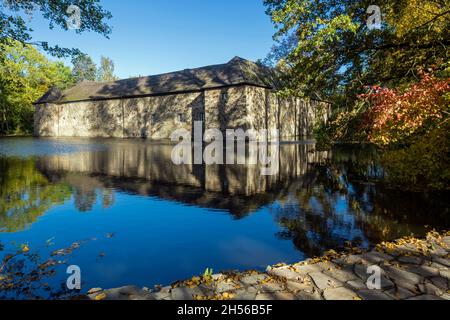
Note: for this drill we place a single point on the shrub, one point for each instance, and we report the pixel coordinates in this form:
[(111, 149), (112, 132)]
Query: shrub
[(395, 116), (425, 164)]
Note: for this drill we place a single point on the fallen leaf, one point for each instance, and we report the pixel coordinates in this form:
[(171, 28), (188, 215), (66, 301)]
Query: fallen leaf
[(101, 296)]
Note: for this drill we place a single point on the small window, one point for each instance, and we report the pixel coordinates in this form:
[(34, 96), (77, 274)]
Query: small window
[(201, 116), (181, 118)]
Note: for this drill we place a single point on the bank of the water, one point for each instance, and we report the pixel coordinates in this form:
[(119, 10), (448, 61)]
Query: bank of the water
[(410, 269)]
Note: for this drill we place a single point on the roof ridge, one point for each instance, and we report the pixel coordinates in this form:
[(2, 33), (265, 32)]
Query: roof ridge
[(237, 71), (239, 61)]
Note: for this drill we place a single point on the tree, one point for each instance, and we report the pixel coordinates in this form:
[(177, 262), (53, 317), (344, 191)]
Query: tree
[(84, 68), (25, 75), (13, 26), (329, 46), (26, 194), (395, 116), (106, 70)]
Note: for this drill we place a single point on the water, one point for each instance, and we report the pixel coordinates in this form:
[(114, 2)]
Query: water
[(139, 219)]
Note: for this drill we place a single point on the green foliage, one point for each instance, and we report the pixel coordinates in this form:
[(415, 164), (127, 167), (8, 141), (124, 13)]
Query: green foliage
[(13, 24), (84, 68), (25, 194), (344, 126), (208, 273), (423, 164), (105, 71), (25, 75), (329, 49), (412, 125)]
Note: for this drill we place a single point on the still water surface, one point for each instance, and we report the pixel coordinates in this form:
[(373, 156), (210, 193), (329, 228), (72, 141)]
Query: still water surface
[(142, 220)]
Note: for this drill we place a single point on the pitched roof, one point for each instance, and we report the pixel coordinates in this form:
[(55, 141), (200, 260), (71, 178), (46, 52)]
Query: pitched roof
[(236, 71)]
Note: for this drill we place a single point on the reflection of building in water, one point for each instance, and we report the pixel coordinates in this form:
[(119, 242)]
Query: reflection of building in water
[(147, 169), (317, 204)]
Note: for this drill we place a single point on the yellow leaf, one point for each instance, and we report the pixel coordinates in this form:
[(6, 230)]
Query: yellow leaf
[(101, 296)]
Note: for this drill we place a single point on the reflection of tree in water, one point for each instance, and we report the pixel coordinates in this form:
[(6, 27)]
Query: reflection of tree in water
[(87, 190), (25, 194), (85, 199), (336, 202)]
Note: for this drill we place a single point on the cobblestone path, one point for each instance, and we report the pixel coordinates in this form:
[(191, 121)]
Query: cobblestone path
[(408, 269)]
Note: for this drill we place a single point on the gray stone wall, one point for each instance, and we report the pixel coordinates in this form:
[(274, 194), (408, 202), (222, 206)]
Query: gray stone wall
[(294, 117), (157, 117)]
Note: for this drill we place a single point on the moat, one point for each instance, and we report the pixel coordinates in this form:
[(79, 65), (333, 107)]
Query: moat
[(139, 219)]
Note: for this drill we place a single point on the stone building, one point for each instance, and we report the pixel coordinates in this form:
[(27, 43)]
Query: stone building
[(238, 94)]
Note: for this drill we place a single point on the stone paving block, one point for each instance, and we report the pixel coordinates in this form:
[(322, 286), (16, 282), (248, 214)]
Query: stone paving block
[(438, 250), (410, 260), (440, 282), (295, 286), (373, 295), (353, 259), (400, 293), (270, 287), (308, 296), (306, 269), (399, 275), (446, 296), (324, 281), (375, 257), (280, 295), (222, 286), (357, 284), (327, 265), (429, 288), (253, 279), (161, 295), (424, 270), (246, 294), (425, 297), (127, 293), (445, 274), (185, 293), (361, 270), (340, 294), (285, 272), (342, 275), (438, 266)]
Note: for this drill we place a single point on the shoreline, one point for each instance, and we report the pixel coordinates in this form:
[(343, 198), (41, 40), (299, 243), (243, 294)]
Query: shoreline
[(409, 268)]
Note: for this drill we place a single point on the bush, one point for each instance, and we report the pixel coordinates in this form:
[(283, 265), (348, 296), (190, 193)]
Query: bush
[(425, 164), (342, 127), (395, 116)]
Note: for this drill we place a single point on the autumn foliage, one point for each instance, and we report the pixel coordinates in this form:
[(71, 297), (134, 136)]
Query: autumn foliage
[(393, 116)]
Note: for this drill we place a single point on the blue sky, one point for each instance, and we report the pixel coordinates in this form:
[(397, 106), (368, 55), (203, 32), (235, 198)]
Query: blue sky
[(157, 36)]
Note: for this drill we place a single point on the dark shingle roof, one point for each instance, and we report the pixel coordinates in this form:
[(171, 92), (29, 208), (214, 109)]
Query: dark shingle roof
[(235, 72)]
